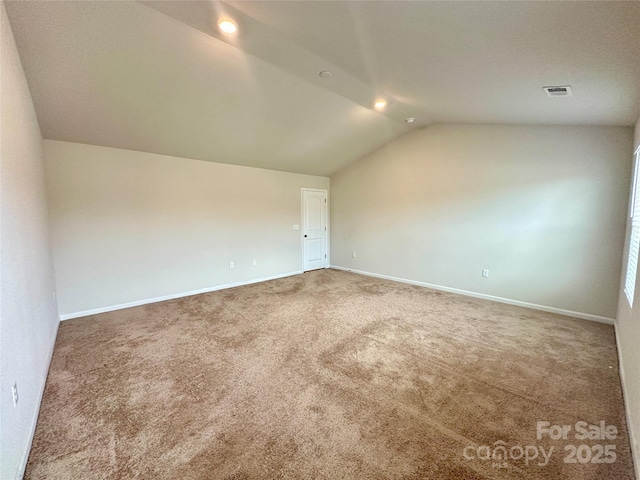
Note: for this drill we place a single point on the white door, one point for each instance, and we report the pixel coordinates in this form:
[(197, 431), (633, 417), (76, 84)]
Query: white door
[(314, 229)]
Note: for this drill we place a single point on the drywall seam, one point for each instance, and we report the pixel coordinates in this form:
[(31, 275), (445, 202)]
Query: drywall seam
[(111, 308), (534, 306), (34, 421), (632, 439)]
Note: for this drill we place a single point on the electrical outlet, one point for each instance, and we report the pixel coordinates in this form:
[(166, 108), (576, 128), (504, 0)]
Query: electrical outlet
[(296, 227), (231, 265), (353, 254), (254, 262), (485, 273), (14, 392)]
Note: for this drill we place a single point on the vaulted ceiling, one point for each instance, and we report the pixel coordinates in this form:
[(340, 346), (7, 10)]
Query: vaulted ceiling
[(158, 76)]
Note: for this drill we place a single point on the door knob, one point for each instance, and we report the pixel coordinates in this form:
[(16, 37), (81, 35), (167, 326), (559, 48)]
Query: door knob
[(305, 236)]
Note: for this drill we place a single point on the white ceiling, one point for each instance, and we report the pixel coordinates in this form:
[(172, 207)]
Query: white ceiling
[(157, 76)]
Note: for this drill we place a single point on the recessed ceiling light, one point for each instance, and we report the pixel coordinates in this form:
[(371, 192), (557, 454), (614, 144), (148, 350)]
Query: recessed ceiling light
[(409, 120), (227, 26), (380, 104)]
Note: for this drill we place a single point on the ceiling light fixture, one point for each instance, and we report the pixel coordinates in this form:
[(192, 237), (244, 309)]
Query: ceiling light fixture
[(380, 104), (325, 74), (227, 26), (409, 120)]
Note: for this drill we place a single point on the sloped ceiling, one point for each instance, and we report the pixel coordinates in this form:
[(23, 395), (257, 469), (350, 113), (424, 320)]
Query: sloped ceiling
[(159, 77)]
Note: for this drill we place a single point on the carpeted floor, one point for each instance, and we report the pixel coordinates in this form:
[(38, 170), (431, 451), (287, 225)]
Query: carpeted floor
[(330, 375)]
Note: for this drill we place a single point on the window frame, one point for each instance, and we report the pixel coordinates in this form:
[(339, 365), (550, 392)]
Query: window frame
[(634, 236)]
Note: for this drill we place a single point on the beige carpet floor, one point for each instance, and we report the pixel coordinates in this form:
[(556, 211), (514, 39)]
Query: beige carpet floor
[(329, 375)]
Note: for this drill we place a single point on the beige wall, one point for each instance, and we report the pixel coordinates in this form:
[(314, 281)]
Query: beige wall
[(129, 227), (543, 208), (628, 334), (28, 316)]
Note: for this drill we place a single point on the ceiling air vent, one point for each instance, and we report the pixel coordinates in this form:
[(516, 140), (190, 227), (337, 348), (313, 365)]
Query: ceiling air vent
[(563, 91)]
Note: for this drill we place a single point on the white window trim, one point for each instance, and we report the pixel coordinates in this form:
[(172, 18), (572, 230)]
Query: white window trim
[(634, 238)]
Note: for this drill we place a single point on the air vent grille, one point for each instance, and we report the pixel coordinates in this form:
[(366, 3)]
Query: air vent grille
[(558, 91)]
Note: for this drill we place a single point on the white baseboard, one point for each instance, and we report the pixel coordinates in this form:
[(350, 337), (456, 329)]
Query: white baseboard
[(544, 308), (137, 303), (34, 421), (635, 447)]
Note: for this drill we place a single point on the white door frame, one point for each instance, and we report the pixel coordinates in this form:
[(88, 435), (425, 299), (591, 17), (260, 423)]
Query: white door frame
[(326, 192)]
